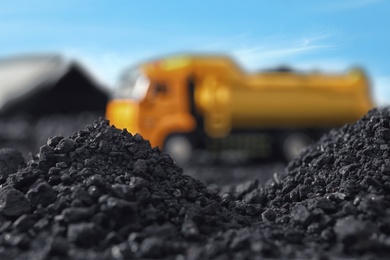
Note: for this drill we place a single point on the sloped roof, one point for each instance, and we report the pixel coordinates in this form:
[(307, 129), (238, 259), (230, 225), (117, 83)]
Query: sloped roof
[(19, 75), (27, 80)]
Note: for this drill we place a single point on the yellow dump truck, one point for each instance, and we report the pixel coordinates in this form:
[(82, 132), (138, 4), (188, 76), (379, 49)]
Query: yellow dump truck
[(187, 102)]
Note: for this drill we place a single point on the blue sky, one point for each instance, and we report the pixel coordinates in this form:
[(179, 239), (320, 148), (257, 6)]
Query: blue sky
[(108, 36)]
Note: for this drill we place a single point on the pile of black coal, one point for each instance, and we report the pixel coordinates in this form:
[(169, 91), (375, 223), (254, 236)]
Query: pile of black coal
[(103, 193), (333, 203)]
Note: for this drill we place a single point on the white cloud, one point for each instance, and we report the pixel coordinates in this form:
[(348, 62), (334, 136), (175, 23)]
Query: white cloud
[(264, 55), (280, 51)]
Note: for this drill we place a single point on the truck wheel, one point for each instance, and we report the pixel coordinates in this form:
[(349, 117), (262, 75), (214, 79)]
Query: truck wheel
[(180, 148), (293, 145)]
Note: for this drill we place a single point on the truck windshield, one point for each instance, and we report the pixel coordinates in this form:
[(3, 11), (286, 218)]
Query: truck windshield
[(133, 85)]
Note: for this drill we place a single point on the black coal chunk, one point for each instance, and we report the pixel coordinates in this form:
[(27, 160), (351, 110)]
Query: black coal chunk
[(13, 203), (84, 234), (300, 214), (42, 194)]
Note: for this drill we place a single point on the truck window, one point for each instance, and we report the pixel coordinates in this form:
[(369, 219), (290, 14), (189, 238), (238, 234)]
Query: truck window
[(160, 88), (133, 85)]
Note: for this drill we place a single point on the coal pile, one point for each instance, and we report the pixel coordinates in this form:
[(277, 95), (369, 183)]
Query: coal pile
[(333, 203), (103, 193)]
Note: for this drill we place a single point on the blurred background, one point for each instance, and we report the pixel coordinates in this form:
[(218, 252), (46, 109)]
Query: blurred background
[(106, 37), (46, 48)]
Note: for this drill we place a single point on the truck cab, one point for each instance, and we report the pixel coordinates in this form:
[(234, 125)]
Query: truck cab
[(154, 100)]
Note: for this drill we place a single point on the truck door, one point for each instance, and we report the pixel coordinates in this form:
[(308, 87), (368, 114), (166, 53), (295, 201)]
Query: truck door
[(157, 104)]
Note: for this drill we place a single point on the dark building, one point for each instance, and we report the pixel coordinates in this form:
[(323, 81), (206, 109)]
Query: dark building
[(41, 85)]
